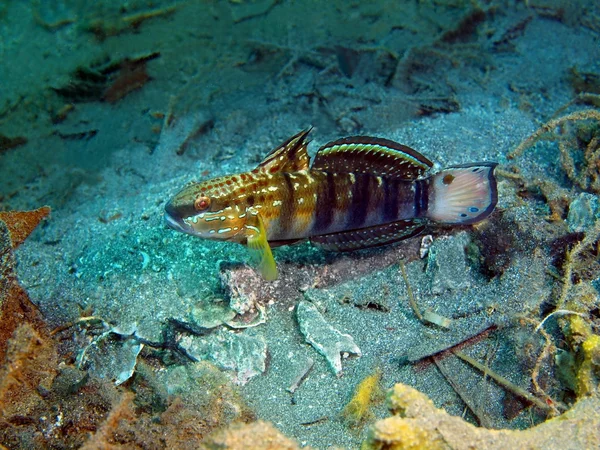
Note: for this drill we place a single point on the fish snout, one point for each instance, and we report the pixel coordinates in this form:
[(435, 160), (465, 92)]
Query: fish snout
[(173, 219)]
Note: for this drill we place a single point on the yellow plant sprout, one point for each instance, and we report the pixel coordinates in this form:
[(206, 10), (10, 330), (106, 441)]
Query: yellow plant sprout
[(358, 410)]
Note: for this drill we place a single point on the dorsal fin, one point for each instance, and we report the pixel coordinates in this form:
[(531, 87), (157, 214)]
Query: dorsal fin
[(374, 156), (291, 156)]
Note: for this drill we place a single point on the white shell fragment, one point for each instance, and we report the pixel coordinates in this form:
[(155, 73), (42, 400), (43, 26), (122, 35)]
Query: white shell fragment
[(111, 356), (323, 337), (243, 355), (436, 319)]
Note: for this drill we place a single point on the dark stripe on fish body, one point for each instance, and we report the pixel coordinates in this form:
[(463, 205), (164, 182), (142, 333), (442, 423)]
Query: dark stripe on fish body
[(406, 199), (421, 197), (358, 208), (325, 204), (286, 217), (390, 200)]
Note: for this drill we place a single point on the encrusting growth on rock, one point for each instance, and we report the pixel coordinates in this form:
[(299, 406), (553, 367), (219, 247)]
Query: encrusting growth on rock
[(20, 224), (417, 424)]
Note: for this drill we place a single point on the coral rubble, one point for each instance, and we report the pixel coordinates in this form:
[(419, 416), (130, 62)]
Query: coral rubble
[(323, 337), (417, 424)]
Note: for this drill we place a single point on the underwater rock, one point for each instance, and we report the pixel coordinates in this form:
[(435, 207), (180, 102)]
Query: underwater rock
[(241, 353), (202, 383), (20, 224), (584, 211), (519, 291), (69, 380), (26, 371), (242, 285), (323, 337), (596, 284), (417, 423), (212, 313), (373, 291), (447, 265), (111, 356), (257, 435), (15, 305)]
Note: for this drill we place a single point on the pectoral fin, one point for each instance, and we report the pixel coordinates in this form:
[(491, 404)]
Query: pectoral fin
[(260, 249)]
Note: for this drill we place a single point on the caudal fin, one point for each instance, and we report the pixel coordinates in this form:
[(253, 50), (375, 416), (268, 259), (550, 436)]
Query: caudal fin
[(462, 194)]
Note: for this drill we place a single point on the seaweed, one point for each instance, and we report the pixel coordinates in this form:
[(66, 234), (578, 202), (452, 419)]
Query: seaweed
[(8, 143), (358, 410), (108, 81), (581, 144)]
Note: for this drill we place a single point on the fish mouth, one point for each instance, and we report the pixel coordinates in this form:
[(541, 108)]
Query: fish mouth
[(176, 224), (174, 220)]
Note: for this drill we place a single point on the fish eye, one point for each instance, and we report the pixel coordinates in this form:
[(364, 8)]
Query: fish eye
[(201, 203)]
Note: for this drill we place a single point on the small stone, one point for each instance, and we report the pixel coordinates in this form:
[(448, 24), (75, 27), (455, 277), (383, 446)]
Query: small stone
[(111, 357), (212, 313), (242, 284), (596, 284), (447, 267), (240, 353), (584, 211), (68, 381), (323, 337)]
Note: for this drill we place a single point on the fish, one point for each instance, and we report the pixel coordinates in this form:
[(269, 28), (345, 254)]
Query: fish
[(359, 192)]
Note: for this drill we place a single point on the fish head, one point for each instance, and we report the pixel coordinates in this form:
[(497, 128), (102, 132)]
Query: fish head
[(209, 209)]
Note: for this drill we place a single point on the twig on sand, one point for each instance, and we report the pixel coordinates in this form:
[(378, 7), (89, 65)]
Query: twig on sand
[(301, 376), (479, 414), (508, 385), (411, 297)]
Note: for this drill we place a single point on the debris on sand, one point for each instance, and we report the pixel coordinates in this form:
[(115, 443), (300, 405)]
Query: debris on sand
[(328, 341)]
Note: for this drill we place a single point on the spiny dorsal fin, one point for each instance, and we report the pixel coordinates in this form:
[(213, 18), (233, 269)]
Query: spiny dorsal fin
[(291, 156), (369, 237), (374, 156)]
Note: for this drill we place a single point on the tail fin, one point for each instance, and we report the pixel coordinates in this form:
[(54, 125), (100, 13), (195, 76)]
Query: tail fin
[(462, 194)]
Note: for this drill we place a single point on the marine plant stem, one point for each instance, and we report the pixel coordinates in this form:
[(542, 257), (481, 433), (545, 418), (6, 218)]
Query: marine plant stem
[(509, 385), (411, 297), (586, 114)]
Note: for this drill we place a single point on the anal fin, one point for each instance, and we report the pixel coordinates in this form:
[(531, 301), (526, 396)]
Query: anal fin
[(280, 243), (369, 237), (259, 247)]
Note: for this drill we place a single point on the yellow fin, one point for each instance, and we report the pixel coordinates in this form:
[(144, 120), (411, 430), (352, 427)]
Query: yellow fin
[(259, 246)]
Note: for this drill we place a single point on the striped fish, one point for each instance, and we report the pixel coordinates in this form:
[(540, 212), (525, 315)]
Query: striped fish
[(360, 192)]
